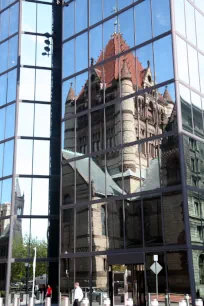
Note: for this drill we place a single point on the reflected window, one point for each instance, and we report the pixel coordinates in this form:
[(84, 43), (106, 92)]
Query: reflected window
[(143, 27), (67, 199), (161, 16), (152, 221), (201, 269), (103, 219)]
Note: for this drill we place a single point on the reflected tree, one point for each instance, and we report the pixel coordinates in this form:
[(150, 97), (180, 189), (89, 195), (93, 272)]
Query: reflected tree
[(23, 248)]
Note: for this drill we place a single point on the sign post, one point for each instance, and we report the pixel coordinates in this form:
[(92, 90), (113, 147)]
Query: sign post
[(34, 268), (156, 268)]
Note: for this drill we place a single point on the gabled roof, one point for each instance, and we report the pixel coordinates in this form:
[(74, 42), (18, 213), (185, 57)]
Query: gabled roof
[(97, 174)]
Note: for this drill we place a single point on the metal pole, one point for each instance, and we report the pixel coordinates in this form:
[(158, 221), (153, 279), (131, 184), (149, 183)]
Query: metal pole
[(149, 299), (101, 299), (34, 269), (187, 300), (156, 280), (16, 301), (32, 301), (48, 301), (65, 301)]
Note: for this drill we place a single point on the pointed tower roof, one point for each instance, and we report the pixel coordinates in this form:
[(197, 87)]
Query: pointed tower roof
[(167, 95), (113, 67), (125, 72), (18, 190), (71, 94)]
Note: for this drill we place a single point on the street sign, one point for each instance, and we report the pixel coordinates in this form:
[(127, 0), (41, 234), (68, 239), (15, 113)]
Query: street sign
[(156, 267)]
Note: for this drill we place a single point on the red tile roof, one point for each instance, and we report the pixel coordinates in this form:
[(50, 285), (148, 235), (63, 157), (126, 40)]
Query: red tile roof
[(112, 68)]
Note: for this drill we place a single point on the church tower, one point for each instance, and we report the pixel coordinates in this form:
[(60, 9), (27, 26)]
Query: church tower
[(128, 121), (69, 127)]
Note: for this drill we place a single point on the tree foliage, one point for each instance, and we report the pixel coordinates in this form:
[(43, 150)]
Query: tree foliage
[(24, 248)]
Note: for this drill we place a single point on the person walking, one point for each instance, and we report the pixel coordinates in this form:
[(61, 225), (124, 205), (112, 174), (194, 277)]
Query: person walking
[(49, 291), (78, 295)]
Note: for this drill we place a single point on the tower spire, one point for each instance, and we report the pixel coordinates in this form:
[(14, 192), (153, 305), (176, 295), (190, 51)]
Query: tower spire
[(71, 94), (115, 9)]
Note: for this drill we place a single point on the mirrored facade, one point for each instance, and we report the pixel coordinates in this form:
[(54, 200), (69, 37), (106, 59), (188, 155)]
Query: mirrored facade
[(29, 150), (131, 140), (101, 149)]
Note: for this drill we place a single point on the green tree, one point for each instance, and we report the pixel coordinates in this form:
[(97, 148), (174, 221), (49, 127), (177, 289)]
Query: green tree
[(22, 248)]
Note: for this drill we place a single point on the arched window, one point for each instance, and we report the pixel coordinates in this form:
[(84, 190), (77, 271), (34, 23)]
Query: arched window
[(150, 110), (103, 219), (201, 269), (143, 108)]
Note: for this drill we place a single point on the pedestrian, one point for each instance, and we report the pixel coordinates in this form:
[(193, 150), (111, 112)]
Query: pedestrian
[(49, 291), (78, 295)]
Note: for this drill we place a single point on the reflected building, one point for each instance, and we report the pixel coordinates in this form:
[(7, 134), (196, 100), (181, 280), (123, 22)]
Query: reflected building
[(101, 149), (125, 179)]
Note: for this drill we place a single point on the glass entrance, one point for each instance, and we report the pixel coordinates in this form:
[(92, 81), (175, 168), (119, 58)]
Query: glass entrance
[(127, 281)]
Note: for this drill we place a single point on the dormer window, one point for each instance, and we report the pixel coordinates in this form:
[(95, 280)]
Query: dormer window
[(149, 79)]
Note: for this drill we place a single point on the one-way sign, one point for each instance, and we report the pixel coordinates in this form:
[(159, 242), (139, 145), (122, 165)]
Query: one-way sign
[(156, 267)]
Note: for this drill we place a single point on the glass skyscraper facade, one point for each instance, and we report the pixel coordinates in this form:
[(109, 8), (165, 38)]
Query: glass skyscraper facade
[(29, 176), (102, 148), (132, 149)]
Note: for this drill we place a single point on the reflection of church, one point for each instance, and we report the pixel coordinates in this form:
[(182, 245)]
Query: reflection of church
[(5, 223), (133, 119)]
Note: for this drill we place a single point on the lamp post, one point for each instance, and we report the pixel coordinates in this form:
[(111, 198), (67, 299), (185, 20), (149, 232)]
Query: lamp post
[(67, 272), (27, 266)]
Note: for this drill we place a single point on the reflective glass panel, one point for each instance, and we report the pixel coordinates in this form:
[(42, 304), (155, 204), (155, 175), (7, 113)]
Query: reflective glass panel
[(27, 81), (68, 20), (133, 224), (24, 156), (43, 85), (8, 158), (4, 237), (67, 228), (99, 227), (172, 206), (143, 29), (3, 273), (13, 26), (6, 195), (3, 89), (10, 121), (42, 114), (178, 277), (160, 16), (25, 119), (41, 160), (115, 230), (152, 221), (12, 82), (82, 231)]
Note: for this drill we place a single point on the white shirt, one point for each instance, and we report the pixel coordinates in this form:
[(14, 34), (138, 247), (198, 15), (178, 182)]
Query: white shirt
[(78, 294)]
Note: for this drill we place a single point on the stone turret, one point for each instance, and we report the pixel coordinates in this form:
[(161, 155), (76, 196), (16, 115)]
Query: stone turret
[(69, 125), (169, 100), (128, 121)]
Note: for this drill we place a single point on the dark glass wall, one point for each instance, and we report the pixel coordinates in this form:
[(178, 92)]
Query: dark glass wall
[(189, 18)]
